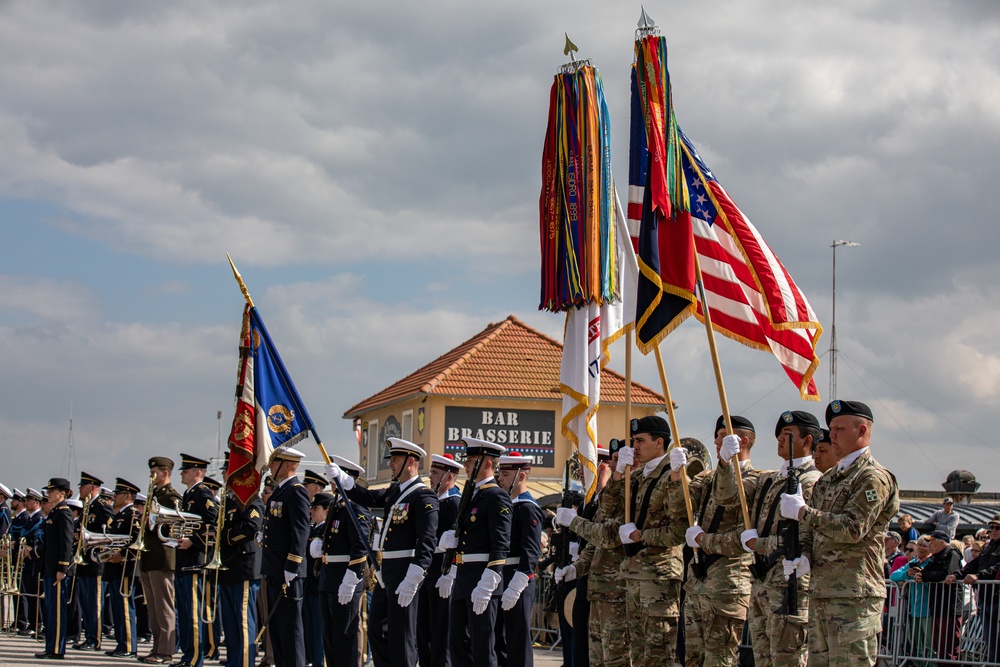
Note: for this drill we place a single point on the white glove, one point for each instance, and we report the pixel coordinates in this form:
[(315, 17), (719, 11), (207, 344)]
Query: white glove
[(567, 573), (483, 591), (678, 458), (626, 457), (408, 586), (565, 515), (792, 504), (290, 577), (316, 547), (152, 519), (514, 589), (625, 532), (691, 536), (449, 540), (730, 448), (574, 551), (800, 566), (348, 586), (259, 538), (746, 536), (333, 471), (445, 582)]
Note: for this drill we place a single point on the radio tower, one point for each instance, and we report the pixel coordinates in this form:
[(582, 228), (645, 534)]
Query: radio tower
[(70, 463)]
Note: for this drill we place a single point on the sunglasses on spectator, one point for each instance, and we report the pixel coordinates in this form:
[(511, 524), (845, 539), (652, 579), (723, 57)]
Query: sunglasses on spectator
[(910, 549), (995, 526)]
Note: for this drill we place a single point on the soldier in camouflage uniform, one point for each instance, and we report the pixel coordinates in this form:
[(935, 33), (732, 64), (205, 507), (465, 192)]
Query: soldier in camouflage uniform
[(842, 531), (600, 561), (653, 567), (718, 578), (779, 638)]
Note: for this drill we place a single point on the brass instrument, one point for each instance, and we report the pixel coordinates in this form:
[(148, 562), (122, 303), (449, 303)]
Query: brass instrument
[(177, 524), (103, 546), (78, 556), (11, 565), (211, 595), (140, 542)]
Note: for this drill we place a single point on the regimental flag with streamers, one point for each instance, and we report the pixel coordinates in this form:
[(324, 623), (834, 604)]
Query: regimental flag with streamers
[(267, 413), (589, 332), (680, 209)]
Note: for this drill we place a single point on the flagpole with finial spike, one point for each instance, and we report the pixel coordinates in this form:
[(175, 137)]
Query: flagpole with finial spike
[(239, 279)]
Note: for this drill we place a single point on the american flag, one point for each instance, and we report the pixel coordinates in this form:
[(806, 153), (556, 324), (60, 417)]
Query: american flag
[(751, 296)]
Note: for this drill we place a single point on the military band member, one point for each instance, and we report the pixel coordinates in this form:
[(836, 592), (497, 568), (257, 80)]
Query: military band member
[(653, 568), (600, 562), (778, 638), (718, 581), (312, 610), (341, 552), (285, 540), (31, 569), (138, 594), (406, 542), (90, 582), (842, 529), (514, 643), (57, 565), (483, 542), (239, 582), (121, 568), (213, 630), (198, 499), (433, 611), (157, 568)]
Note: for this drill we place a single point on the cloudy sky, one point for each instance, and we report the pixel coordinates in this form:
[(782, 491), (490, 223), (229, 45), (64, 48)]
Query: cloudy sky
[(374, 170)]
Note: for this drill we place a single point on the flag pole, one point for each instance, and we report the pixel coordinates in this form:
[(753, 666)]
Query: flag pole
[(308, 420), (677, 434), (737, 472), (628, 422)]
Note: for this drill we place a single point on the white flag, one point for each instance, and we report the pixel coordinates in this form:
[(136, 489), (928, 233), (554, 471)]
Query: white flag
[(590, 330)]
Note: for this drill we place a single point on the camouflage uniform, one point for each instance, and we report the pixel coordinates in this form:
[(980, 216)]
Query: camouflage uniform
[(601, 559), (842, 531), (777, 639), (718, 581), (653, 573)]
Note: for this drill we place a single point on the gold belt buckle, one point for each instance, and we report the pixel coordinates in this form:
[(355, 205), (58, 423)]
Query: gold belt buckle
[(458, 559)]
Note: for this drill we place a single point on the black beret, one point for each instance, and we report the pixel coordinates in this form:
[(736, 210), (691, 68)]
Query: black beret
[(653, 424), (824, 436), (795, 418), (614, 444), (738, 422), (840, 408)]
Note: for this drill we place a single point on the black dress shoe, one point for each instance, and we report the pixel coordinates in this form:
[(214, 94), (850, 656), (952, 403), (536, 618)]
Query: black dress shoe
[(123, 654), (45, 655), (25, 633), (180, 664)]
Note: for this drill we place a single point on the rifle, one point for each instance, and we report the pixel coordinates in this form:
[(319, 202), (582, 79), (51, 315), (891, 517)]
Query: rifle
[(569, 498), (463, 509), (789, 531)]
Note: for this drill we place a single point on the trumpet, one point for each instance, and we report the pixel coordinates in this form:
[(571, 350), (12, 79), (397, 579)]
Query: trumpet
[(102, 546), (176, 523)]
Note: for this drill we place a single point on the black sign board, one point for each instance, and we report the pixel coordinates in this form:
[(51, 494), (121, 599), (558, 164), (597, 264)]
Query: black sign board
[(530, 432)]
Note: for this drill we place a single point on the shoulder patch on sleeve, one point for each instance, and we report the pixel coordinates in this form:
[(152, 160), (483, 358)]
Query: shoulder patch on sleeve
[(871, 495), (254, 514), (504, 510)]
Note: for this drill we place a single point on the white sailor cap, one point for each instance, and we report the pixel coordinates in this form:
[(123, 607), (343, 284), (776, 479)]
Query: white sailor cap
[(351, 468), (18, 494), (105, 491), (5, 491), (33, 494), (140, 497), (446, 462), (287, 454), (477, 447), (514, 461), (405, 447), (73, 502)]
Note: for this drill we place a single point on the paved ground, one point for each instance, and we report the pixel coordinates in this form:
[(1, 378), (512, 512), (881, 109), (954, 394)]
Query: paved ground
[(21, 650)]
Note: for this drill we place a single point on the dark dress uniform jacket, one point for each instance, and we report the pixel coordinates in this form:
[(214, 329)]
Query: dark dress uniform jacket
[(485, 530), (58, 538), (447, 515), (286, 530), (99, 517), (157, 556), (5, 518), (125, 522), (341, 539), (200, 500), (525, 537), (240, 551)]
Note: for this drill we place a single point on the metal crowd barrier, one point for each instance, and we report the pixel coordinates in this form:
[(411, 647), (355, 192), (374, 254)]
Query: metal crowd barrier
[(542, 632)]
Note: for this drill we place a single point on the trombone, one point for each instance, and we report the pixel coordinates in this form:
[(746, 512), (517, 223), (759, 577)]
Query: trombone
[(210, 599), (78, 559)]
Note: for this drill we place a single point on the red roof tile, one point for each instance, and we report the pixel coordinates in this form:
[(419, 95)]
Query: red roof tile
[(507, 359)]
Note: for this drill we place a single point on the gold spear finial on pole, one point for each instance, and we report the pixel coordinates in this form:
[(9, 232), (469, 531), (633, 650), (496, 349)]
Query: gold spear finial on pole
[(239, 279)]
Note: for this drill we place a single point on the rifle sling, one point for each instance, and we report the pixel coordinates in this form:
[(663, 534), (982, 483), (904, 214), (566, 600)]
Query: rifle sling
[(636, 547)]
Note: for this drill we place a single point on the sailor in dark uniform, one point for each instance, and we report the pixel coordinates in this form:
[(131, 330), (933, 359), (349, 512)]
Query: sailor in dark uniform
[(482, 540), (121, 570), (312, 609), (407, 541), (198, 499), (90, 582), (341, 550), (5, 514), (514, 621), (285, 540), (57, 565), (239, 583), (432, 613), (31, 569)]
